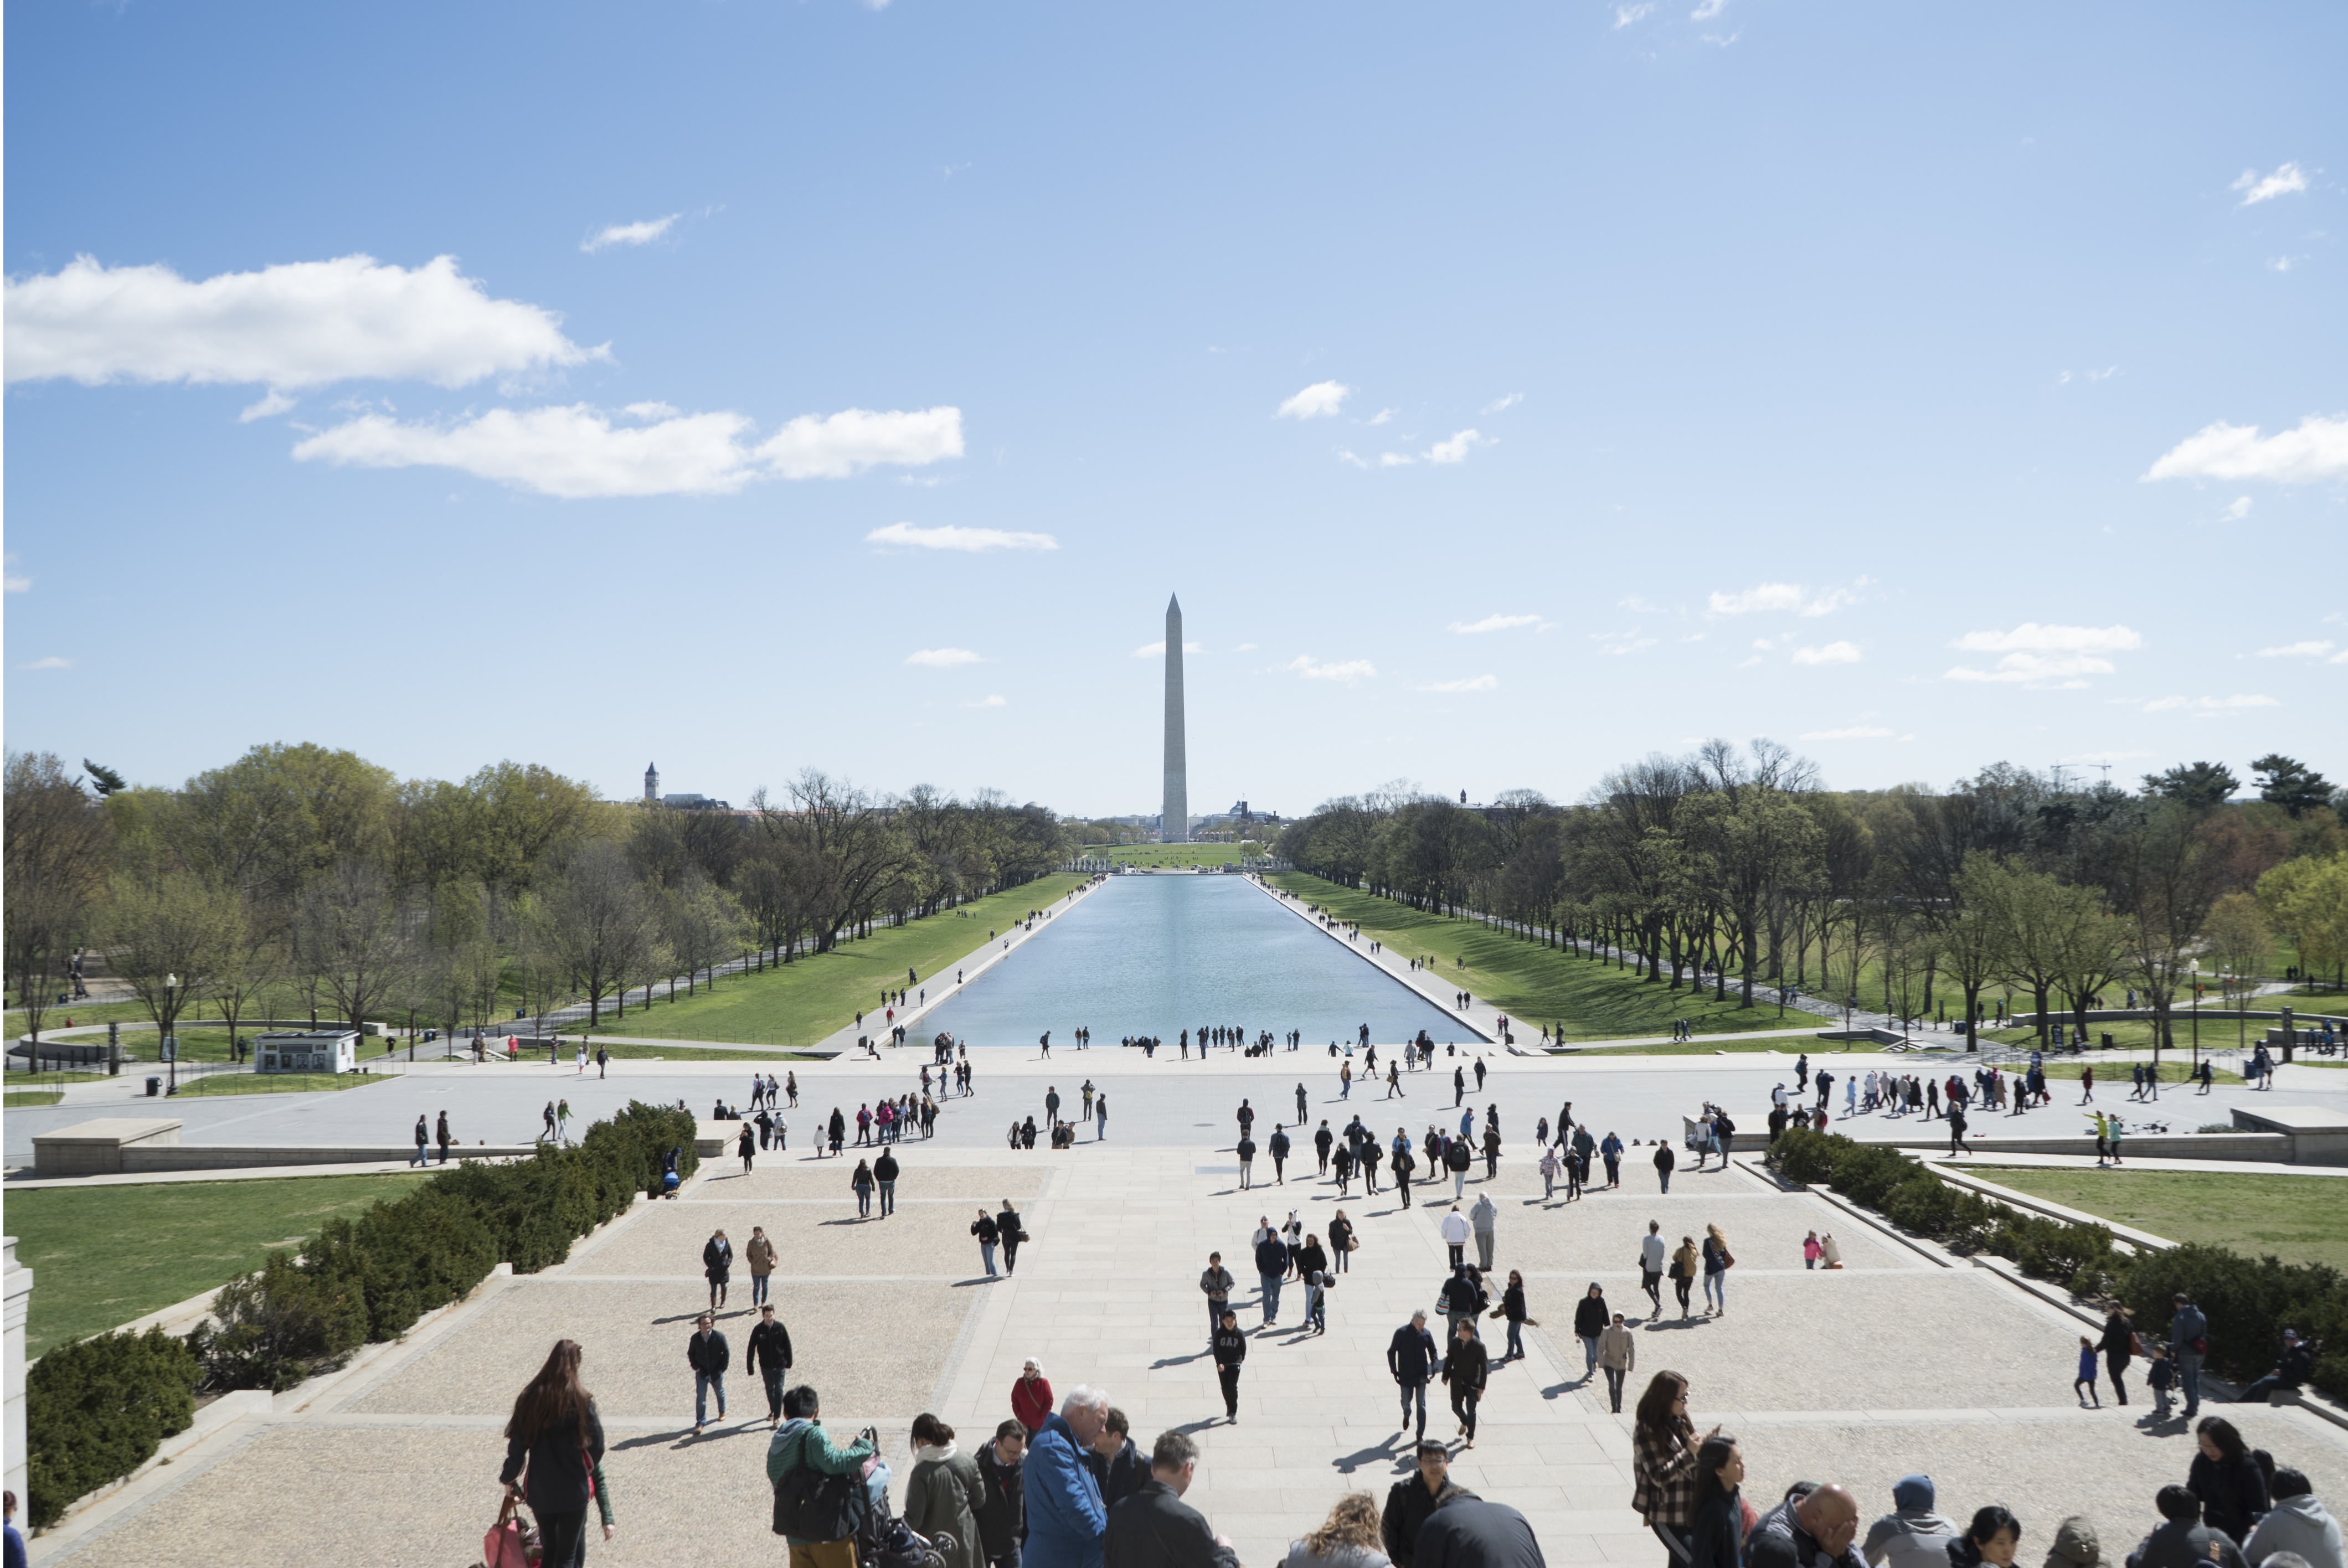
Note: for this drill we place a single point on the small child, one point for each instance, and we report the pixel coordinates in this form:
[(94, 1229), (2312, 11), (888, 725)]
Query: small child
[(2159, 1376), (1810, 1250), (2084, 1385)]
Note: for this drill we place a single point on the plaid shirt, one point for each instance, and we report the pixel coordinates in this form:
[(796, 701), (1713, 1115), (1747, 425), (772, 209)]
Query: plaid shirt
[(1665, 1492)]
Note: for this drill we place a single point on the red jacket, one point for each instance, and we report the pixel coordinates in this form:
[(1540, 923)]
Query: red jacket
[(1031, 1401)]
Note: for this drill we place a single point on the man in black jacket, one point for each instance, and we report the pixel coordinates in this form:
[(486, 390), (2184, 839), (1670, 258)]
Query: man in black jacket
[(885, 1171), (1229, 1350), (1278, 1147), (1155, 1528), (1321, 1143), (770, 1357), (1270, 1269), (1473, 1534), (708, 1354), (1465, 1369), (1410, 1357), (1412, 1501), (2290, 1370), (1116, 1464), (1664, 1160), (1002, 1508)]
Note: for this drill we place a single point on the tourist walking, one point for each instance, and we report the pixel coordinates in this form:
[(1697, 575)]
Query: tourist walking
[(423, 1138), (1454, 1232), (1278, 1147), (1011, 1233), (2119, 1344), (1591, 1317), (801, 1444), (708, 1354), (1031, 1396), (1100, 1119), (1653, 1250), (1685, 1265), (1618, 1355), (860, 1179), (884, 1176), (1482, 1218), (1415, 1498), (1066, 1520), (747, 1147), (770, 1359), (1663, 1463), (1270, 1269), (1717, 1262), (943, 1494), (1466, 1370), (983, 1229), (1664, 1160), (554, 1458), (1246, 1152), (1410, 1358), (1348, 1538), (1229, 1349), (1512, 1308), (1341, 1241), (760, 1253), (717, 1266), (441, 1132), (1217, 1282)]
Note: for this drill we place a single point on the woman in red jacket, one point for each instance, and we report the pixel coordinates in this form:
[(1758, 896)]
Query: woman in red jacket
[(1031, 1397)]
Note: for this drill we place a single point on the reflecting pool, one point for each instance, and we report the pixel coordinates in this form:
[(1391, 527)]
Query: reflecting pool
[(1157, 955)]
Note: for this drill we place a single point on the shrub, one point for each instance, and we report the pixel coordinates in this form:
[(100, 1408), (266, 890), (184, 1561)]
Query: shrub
[(96, 1410), (270, 1329)]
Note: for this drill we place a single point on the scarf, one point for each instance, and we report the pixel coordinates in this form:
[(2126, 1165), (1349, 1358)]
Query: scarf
[(928, 1453)]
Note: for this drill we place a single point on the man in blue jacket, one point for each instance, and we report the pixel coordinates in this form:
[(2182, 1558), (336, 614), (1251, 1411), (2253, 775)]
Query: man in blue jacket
[(1410, 1357), (1067, 1520)]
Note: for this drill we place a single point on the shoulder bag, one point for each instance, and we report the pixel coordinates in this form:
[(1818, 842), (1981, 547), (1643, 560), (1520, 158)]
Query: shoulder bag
[(814, 1506)]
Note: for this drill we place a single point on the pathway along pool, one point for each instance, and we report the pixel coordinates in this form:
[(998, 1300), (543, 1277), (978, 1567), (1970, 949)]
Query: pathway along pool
[(1157, 955)]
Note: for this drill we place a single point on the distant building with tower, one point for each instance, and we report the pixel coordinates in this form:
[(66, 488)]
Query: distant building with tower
[(652, 784)]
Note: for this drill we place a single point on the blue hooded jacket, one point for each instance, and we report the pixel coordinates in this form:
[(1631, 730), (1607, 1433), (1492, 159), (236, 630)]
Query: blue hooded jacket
[(1066, 1520)]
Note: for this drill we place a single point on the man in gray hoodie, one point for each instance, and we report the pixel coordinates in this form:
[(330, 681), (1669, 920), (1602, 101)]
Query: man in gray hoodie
[(1911, 1535), (1485, 1217), (2296, 1524)]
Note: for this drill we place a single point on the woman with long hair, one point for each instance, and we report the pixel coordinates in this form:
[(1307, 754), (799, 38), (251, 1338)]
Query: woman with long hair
[(1348, 1538), (1662, 1462), (2228, 1480), (861, 1180), (1990, 1542), (1685, 1265), (1717, 1539), (1716, 1262), (554, 1458)]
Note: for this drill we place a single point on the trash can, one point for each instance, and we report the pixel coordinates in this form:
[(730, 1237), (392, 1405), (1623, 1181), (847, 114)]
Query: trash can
[(154, 1087), (2108, 1039)]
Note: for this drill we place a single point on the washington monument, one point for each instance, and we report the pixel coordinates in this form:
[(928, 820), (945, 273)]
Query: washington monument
[(1174, 825)]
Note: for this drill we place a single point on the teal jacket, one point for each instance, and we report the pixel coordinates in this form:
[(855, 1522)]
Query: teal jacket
[(802, 1441)]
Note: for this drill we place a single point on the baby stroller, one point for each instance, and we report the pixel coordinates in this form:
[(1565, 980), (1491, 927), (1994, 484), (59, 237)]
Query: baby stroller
[(884, 1540)]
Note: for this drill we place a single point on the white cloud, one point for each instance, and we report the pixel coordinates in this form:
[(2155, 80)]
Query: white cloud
[(299, 325), (2285, 263), (2060, 671), (1156, 649), (1318, 401), (2317, 449), (2297, 650), (1830, 653), (1494, 623), (13, 580), (1626, 15), (643, 233), (1637, 605), (2209, 707), (1499, 405), (2030, 637), (1348, 672), (2238, 510), (993, 700), (1473, 683), (1707, 10), (953, 536), (942, 658), (1245, 648), (579, 451), (1619, 643), (2287, 180), (1395, 460), (1345, 456), (1457, 448), (1854, 732), (1775, 596), (1383, 417), (269, 407), (51, 663)]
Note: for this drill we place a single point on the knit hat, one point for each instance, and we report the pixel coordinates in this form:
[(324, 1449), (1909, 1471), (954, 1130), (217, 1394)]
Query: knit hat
[(1913, 1492)]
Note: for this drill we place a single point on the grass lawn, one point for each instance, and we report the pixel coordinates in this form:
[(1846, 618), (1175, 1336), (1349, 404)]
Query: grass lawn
[(104, 1255), (277, 1083), (688, 1053), (801, 1002), (34, 1097), (1156, 854), (2299, 1219), (1535, 985)]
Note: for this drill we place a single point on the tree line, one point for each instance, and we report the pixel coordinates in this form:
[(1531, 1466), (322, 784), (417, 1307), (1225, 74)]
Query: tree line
[(305, 872), (1738, 861)]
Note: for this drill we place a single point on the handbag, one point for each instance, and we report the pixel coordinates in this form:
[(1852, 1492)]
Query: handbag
[(811, 1505), (508, 1541), (2136, 1343)]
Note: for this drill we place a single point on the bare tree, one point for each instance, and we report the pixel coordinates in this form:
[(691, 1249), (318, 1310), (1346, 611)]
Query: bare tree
[(597, 921), (57, 844), (168, 930), (351, 942)]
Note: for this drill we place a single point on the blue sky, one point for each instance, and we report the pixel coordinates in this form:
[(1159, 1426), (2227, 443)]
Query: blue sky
[(827, 385)]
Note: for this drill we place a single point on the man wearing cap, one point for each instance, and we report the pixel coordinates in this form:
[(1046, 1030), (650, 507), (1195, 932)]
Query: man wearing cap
[(1913, 1535)]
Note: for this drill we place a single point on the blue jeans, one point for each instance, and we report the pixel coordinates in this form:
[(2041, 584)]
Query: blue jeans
[(864, 1202), (2188, 1378), (1588, 1356), (987, 1251), (703, 1383), (1270, 1283), (888, 1197), (1515, 1338), (1715, 1289), (1215, 1310), (758, 1288), (1415, 1391)]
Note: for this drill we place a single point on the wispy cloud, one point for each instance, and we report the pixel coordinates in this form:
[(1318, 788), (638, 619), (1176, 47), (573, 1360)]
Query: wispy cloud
[(2317, 449), (1473, 683), (1767, 597), (645, 449), (1500, 404), (1383, 417), (2209, 707), (1626, 15), (1157, 648), (1245, 648), (640, 233), (2297, 650), (2238, 510), (2047, 656), (993, 700), (13, 580), (1637, 605), (1494, 623), (299, 325), (1851, 733), (1615, 644), (1318, 401), (2287, 180), (953, 536), (1348, 672), (1456, 449), (942, 658), (51, 663), (1828, 654), (1707, 10), (269, 407)]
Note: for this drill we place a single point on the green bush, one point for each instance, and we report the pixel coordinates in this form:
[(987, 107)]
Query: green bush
[(272, 1327), (96, 1410)]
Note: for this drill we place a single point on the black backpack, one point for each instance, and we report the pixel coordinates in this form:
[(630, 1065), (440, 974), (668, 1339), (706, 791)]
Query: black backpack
[(814, 1506)]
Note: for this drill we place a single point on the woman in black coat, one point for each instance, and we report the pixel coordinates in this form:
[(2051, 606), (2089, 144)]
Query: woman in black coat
[(2228, 1480), (2118, 1345), (1591, 1316), (1719, 1536)]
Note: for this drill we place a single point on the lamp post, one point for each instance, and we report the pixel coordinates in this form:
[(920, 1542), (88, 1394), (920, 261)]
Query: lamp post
[(170, 1041), (2196, 1011)]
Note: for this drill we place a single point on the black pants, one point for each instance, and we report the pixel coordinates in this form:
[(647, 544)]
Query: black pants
[(1653, 1283), (1230, 1381), (774, 1380), (2115, 1362), (1010, 1256), (1614, 1388), (562, 1538), (1463, 1405), (1681, 1285)]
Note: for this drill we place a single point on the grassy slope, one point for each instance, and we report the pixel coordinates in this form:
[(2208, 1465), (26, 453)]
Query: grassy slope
[(1167, 854), (801, 1002), (159, 1244), (2300, 1219), (1529, 982)]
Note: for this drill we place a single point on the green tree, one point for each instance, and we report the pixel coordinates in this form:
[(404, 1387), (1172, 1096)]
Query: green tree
[(168, 931), (57, 849), (2289, 783), (353, 942), (2198, 785), (2033, 915), (2307, 899)]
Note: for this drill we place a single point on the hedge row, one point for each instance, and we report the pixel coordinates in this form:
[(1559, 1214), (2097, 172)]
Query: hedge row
[(97, 1409), (2247, 1301)]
